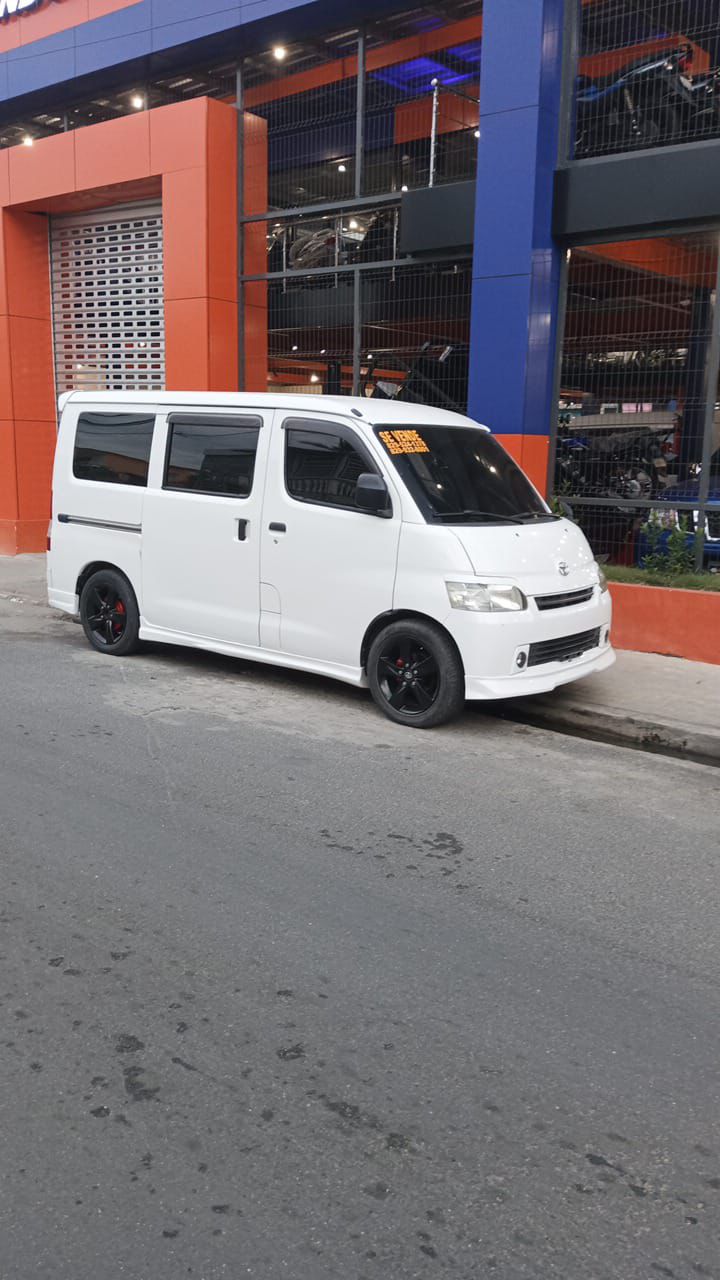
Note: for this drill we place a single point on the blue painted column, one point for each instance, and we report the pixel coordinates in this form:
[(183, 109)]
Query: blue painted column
[(516, 266)]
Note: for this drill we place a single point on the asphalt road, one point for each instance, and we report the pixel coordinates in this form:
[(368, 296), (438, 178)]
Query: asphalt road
[(288, 991)]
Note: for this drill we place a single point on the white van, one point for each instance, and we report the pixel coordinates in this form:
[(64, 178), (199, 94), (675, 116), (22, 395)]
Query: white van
[(389, 545)]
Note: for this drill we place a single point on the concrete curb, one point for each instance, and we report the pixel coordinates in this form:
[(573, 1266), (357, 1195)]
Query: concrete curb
[(607, 726)]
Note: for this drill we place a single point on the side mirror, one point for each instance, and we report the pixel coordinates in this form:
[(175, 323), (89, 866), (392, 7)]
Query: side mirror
[(371, 494)]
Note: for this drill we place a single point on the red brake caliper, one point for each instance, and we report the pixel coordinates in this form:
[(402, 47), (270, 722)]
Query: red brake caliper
[(119, 608)]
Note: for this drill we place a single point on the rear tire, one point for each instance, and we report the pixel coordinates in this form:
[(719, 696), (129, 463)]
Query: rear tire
[(415, 674), (109, 613)]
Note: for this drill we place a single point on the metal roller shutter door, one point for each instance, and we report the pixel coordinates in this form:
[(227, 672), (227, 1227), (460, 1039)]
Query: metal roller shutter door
[(108, 300)]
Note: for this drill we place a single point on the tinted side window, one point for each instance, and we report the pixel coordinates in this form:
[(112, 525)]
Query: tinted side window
[(113, 447), (208, 456), (322, 467)]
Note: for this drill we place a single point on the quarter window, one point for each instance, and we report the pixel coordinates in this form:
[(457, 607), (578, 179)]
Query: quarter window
[(113, 448), (321, 466), (212, 456)]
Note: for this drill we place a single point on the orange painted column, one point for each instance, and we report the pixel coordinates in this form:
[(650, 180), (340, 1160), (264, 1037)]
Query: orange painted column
[(199, 168), (255, 294), (27, 388), (532, 453), (189, 152)]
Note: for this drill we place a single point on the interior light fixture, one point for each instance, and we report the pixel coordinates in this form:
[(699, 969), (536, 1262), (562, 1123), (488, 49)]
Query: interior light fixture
[(404, 186), (342, 168), (353, 224), (137, 102), (28, 141), (477, 133), (295, 347), (279, 52), (314, 377)]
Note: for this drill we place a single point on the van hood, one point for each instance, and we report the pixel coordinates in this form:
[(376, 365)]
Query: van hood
[(553, 555)]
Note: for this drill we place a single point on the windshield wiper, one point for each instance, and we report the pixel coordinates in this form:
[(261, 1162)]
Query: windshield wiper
[(488, 515), (539, 515)]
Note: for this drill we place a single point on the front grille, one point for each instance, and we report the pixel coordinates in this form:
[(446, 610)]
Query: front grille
[(565, 599), (563, 649)]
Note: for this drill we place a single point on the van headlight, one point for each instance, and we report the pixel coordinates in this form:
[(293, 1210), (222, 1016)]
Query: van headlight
[(477, 597), (602, 580)]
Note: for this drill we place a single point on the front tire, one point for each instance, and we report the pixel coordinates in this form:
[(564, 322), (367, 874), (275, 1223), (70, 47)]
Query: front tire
[(109, 613), (415, 674)]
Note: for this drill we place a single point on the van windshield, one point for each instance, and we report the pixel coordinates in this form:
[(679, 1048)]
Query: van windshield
[(461, 475)]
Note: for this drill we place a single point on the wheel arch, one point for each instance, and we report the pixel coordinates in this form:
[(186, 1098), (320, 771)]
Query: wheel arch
[(96, 566), (400, 615)]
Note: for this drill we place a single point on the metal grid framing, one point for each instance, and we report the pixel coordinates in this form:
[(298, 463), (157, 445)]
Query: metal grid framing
[(108, 300), (637, 458), (311, 145), (422, 120), (345, 313), (397, 331), (649, 74)]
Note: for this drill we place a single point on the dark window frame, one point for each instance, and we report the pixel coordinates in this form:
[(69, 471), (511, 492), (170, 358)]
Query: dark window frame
[(321, 426), (247, 421), (150, 416)]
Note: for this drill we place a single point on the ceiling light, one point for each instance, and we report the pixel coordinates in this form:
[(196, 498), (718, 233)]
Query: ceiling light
[(342, 168), (477, 133), (322, 351), (279, 52), (314, 377), (353, 225), (137, 102), (295, 347), (28, 141), (404, 186)]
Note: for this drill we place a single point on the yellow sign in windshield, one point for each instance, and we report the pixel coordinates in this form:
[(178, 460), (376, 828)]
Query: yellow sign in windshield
[(397, 442)]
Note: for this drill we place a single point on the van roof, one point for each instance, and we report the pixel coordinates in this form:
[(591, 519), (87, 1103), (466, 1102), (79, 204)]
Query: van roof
[(368, 410)]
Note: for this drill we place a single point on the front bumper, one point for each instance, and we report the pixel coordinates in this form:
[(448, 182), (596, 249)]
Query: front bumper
[(541, 679), (495, 648)]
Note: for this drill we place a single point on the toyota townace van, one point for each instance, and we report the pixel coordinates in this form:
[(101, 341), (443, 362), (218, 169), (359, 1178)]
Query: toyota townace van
[(389, 545)]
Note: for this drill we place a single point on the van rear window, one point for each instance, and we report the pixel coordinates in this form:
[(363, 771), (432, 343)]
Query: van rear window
[(113, 448)]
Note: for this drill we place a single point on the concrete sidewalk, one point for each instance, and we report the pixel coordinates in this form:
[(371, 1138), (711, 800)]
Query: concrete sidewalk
[(23, 578), (645, 701)]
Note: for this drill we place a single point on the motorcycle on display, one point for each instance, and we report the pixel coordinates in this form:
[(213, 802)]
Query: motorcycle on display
[(650, 102), (629, 468), (335, 242)]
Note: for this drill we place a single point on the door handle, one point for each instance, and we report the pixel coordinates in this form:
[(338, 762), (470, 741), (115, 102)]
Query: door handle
[(276, 527), (242, 527)]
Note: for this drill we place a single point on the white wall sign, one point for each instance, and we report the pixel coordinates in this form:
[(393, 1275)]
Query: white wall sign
[(8, 8)]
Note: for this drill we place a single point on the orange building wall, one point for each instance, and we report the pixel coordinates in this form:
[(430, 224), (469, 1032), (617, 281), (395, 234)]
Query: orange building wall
[(26, 28), (189, 152)]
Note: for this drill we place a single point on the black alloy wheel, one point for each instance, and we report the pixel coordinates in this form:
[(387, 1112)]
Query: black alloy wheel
[(416, 675), (109, 613)]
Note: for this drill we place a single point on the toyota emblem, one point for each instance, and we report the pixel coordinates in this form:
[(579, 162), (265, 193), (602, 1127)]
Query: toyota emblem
[(563, 568)]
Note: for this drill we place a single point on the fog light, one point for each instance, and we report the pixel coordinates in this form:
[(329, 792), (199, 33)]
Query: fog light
[(521, 660)]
